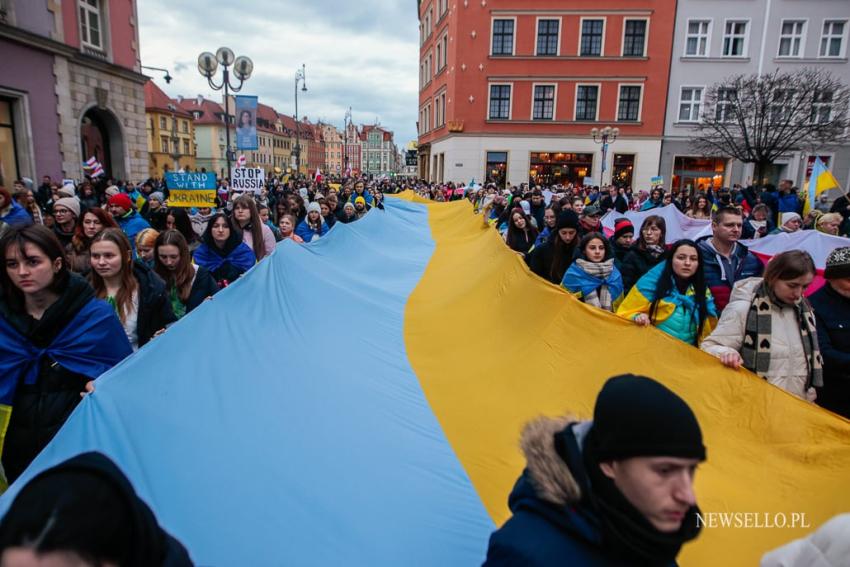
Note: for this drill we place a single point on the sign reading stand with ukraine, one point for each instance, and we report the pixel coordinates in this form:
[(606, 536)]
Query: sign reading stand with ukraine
[(193, 189)]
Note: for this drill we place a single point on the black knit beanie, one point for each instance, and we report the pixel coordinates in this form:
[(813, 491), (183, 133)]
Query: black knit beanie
[(567, 219), (636, 416), (838, 264)]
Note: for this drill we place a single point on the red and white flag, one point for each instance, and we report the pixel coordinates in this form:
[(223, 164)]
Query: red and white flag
[(241, 161), (93, 167), (318, 175)]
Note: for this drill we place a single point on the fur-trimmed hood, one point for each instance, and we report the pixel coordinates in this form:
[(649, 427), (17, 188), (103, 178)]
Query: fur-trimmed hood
[(552, 479)]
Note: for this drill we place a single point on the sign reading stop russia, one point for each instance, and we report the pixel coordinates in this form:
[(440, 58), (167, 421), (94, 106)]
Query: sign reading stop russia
[(248, 179)]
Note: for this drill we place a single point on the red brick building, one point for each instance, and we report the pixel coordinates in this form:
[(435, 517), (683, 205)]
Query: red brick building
[(510, 89)]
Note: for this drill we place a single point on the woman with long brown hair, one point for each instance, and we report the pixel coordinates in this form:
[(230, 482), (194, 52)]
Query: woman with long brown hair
[(186, 283), (769, 327), (701, 208), (94, 220), (136, 293), (255, 234), (55, 336), (646, 252)]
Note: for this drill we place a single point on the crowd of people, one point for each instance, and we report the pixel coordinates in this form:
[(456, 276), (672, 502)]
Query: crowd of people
[(96, 271)]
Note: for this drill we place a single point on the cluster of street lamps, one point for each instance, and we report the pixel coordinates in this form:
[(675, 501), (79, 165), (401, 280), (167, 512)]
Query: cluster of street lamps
[(242, 69), (604, 136)]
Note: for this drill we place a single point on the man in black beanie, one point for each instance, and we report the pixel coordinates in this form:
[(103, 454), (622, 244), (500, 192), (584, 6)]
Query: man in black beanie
[(615, 491)]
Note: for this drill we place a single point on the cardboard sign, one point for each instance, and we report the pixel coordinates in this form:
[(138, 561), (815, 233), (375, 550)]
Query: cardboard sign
[(248, 179), (656, 181), (190, 189)]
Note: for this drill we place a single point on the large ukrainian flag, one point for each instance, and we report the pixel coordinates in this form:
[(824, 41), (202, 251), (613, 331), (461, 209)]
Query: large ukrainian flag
[(358, 401)]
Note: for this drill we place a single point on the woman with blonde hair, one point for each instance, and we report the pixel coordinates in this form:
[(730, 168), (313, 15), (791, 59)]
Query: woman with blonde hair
[(145, 241), (829, 223)]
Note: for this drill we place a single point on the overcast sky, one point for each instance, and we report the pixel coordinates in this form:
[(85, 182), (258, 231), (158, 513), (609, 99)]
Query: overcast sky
[(360, 54)]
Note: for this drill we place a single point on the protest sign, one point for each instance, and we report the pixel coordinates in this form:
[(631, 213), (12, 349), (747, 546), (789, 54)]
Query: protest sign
[(656, 181), (191, 189), (248, 179)]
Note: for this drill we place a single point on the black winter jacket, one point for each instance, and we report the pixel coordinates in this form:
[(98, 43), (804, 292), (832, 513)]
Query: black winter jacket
[(832, 311), (41, 408), (635, 264), (203, 287), (155, 311)]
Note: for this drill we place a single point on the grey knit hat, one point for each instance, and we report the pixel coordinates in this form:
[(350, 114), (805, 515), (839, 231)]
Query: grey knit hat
[(838, 264)]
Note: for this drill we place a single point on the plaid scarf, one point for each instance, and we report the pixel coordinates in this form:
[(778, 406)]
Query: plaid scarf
[(757, 335), (601, 296)]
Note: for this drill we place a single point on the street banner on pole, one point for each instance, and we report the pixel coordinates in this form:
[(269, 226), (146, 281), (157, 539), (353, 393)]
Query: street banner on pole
[(190, 189), (248, 179), (246, 123)]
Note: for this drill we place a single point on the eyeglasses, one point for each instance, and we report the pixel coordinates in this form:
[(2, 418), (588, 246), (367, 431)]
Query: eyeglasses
[(58, 212)]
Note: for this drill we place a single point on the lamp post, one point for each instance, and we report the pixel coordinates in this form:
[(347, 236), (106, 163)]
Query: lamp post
[(605, 136), (300, 75), (345, 123), (242, 68), (175, 139)]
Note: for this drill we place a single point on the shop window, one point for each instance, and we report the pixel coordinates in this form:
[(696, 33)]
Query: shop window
[(548, 168), (698, 173), (624, 166), (497, 168)]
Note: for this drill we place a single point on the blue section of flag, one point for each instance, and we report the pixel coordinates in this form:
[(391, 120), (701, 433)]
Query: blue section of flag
[(281, 423)]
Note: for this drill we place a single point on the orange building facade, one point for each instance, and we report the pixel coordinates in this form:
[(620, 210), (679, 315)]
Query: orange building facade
[(510, 89)]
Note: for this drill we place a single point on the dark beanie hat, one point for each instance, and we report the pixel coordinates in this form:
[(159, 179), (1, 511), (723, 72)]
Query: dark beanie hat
[(838, 264), (567, 219), (636, 416), (623, 226)]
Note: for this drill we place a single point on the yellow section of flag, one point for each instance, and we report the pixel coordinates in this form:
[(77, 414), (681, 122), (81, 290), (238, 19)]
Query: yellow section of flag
[(820, 180)]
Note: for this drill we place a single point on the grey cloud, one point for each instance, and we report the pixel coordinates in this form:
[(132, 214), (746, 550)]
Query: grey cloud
[(361, 55)]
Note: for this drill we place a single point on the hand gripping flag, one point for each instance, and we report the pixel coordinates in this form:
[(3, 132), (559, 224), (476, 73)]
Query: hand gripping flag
[(401, 448)]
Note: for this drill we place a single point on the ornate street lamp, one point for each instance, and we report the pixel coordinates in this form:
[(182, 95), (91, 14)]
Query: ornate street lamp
[(300, 75), (605, 136), (242, 68)]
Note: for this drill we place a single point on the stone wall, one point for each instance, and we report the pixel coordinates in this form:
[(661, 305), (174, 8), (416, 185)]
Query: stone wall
[(79, 88)]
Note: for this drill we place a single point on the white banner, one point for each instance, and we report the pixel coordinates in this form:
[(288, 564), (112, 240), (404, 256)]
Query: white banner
[(248, 179)]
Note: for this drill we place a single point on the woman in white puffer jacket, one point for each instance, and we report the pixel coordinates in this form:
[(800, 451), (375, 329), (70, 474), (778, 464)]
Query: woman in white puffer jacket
[(769, 328)]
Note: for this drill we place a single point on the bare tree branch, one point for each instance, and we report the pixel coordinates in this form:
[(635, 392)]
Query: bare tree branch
[(757, 119)]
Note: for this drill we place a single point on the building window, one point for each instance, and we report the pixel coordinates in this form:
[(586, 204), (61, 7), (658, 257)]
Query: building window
[(8, 150), (503, 37), (186, 147), (822, 107), (500, 102), (162, 123), (735, 39), (700, 173), (163, 144), (544, 102), (697, 40), (634, 38), (497, 168), (442, 49), (690, 100), (623, 170), (725, 108), (629, 108), (549, 168), (185, 127), (591, 38), (90, 24), (791, 38), (547, 37), (832, 38), (587, 97), (781, 106)]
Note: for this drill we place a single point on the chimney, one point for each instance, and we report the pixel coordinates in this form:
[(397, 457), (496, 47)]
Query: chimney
[(200, 100), (179, 99)]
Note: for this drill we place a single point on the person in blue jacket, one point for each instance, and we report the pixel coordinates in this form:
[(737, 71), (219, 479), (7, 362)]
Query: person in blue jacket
[(12, 215), (55, 336), (132, 223), (313, 226), (617, 491)]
